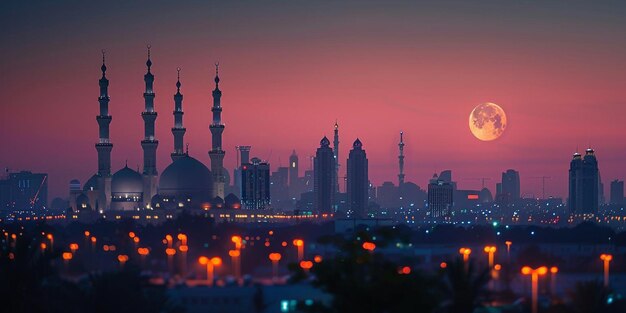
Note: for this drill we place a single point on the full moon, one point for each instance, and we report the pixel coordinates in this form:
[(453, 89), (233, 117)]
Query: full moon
[(487, 121)]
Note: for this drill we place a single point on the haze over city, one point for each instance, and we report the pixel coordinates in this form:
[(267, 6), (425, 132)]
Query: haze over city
[(289, 70)]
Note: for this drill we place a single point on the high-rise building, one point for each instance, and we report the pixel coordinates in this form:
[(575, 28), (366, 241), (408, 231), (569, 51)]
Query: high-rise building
[(149, 142), (617, 192), (255, 181), (279, 188), (24, 191), (510, 187), (583, 184), (217, 153), (336, 155), (440, 197), (358, 183), (324, 177), (293, 169)]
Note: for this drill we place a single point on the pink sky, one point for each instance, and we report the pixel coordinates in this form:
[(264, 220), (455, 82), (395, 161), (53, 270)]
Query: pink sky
[(288, 71)]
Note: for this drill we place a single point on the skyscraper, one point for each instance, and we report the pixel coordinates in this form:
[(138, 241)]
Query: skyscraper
[(149, 143), (440, 197), (324, 177), (510, 187), (583, 184), (293, 169), (24, 191), (336, 155), (358, 183), (617, 192), (104, 145), (401, 161), (279, 189), (217, 128), (255, 181)]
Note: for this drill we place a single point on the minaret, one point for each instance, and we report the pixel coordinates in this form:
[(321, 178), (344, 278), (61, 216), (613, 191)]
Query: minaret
[(217, 128), (149, 143), (178, 130), (336, 154), (401, 161), (104, 145)]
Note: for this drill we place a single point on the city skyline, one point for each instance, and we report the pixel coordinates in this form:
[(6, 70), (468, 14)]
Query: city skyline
[(420, 88)]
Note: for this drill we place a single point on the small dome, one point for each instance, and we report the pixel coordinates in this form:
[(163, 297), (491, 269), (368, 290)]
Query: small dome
[(92, 183), (127, 180), (186, 177)]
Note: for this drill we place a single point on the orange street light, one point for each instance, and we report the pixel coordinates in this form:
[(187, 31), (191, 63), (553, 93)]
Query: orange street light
[(49, 236), (67, 256), (607, 258), (131, 234), (235, 260), (73, 247), (369, 246), (443, 265), (299, 243), (405, 270), (553, 271), (143, 252), (490, 250), (210, 266), (306, 265), (237, 241), (122, 258), (535, 273), (87, 233), (43, 246), (183, 238), (275, 257), (317, 259), (465, 252), (169, 240)]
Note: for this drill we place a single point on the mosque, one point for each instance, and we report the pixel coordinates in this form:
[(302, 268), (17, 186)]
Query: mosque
[(186, 182)]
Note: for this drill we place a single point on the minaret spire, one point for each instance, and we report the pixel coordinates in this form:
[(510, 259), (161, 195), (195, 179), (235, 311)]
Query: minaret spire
[(336, 155), (149, 143), (217, 128), (104, 145), (401, 160), (178, 130)]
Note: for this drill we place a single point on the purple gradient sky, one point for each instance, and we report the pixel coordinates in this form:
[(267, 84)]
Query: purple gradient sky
[(289, 69)]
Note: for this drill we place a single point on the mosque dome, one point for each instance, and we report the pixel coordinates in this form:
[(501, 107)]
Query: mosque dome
[(91, 184), (82, 202), (186, 177), (126, 181)]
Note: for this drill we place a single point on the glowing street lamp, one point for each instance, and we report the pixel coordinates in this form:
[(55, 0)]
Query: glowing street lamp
[(237, 241), (131, 235), (122, 258), (306, 266), (275, 257), (465, 252), (317, 259), (73, 247), (210, 267), (369, 246), (43, 246), (170, 258), (169, 240), (534, 273), (235, 256), (490, 250), (51, 238), (143, 252), (553, 271), (607, 258), (299, 243)]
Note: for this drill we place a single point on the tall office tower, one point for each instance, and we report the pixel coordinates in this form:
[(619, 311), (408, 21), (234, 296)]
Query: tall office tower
[(293, 169), (255, 181), (104, 145), (279, 189), (178, 130), (510, 186), (617, 192), (324, 177), (358, 183), (440, 197), (583, 184), (243, 157), (401, 161), (336, 155), (149, 143), (217, 153)]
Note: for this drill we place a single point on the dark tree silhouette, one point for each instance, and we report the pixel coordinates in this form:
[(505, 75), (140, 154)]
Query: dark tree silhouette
[(465, 286)]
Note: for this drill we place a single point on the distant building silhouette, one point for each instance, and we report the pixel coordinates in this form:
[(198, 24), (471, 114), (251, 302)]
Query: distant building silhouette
[(324, 177), (24, 191), (508, 191), (255, 180), (440, 196), (583, 184), (293, 169), (617, 192), (358, 183), (279, 189)]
